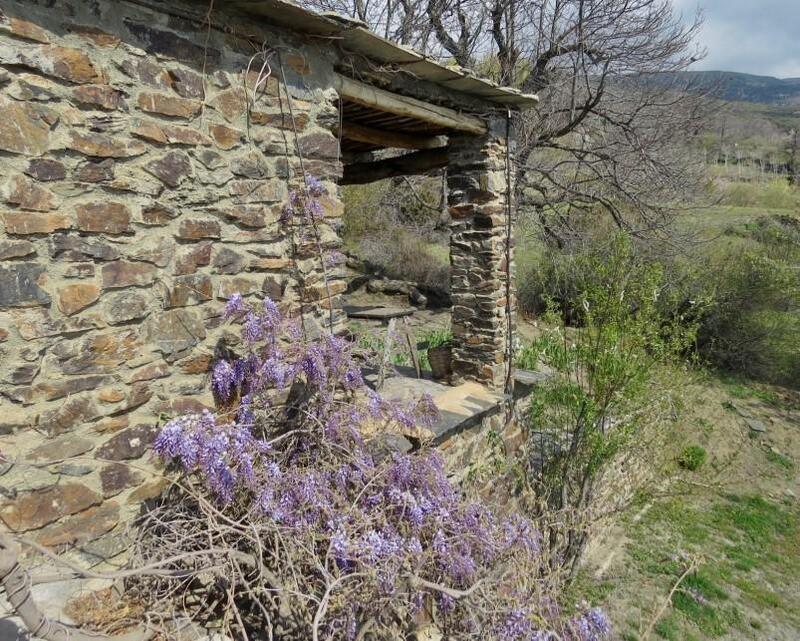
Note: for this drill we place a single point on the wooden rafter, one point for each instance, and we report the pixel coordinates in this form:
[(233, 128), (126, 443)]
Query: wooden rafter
[(418, 162), (385, 138), (369, 96)]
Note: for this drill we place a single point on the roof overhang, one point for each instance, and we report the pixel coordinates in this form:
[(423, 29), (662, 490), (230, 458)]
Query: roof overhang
[(354, 37)]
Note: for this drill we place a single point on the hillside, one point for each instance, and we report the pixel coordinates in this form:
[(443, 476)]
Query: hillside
[(744, 87)]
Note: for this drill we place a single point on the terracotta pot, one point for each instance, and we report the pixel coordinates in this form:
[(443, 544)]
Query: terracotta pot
[(441, 360)]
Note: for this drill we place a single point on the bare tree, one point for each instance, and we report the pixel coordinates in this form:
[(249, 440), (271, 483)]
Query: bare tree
[(608, 136)]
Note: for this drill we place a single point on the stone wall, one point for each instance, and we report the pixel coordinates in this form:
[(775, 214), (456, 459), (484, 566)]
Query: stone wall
[(479, 258), (141, 185)]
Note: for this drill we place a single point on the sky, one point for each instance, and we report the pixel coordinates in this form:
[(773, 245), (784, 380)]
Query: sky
[(752, 36)]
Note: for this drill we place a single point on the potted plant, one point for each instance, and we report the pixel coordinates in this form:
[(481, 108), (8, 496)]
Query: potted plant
[(440, 353)]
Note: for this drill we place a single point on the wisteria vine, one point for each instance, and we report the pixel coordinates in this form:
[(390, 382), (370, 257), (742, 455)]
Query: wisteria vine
[(366, 543)]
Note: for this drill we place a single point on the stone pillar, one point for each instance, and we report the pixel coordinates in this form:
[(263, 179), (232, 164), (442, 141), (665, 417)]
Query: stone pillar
[(478, 187)]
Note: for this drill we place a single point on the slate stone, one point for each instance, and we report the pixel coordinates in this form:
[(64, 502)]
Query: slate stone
[(95, 172), (117, 477), (100, 97), (106, 217), (125, 307), (210, 159), (19, 286), (170, 44), (72, 469), (103, 146), (319, 146), (70, 414), (121, 273), (186, 84), (25, 222), (99, 353), (157, 214), (67, 247), (26, 194), (251, 165), (190, 258), (52, 390), (22, 374), (128, 444), (60, 449), (23, 128), (171, 169), (227, 261), (23, 28), (190, 290), (74, 298), (65, 63), (80, 528), (10, 249), (33, 510), (194, 229), (79, 270), (25, 478), (225, 137), (174, 332), (167, 105), (46, 170)]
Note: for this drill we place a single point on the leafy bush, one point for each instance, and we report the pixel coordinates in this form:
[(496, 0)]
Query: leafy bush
[(743, 295), (402, 254), (398, 227), (438, 337), (775, 194), (603, 370), (692, 457), (287, 524)]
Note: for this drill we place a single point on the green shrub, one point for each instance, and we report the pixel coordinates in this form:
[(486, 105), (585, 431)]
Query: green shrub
[(399, 229), (603, 370), (438, 337), (692, 457)]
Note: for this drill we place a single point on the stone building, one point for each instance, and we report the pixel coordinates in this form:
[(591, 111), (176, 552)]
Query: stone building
[(147, 151)]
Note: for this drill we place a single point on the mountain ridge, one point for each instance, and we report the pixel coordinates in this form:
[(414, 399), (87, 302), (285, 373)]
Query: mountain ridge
[(745, 87)]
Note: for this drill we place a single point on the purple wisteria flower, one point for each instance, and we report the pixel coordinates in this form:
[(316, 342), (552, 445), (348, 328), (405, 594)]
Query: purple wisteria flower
[(291, 457)]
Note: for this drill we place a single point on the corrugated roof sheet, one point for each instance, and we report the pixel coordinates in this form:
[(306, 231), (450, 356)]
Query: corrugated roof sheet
[(356, 38)]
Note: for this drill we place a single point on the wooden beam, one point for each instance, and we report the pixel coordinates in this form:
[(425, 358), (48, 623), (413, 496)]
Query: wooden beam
[(369, 96), (411, 164), (394, 139)]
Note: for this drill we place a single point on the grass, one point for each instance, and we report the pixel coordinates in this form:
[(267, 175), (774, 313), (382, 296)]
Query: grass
[(749, 557), (692, 457), (750, 548), (779, 459)]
